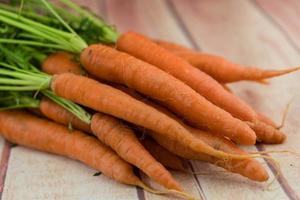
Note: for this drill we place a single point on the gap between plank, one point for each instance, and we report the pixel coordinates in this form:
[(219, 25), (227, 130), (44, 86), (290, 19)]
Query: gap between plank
[(282, 181), (4, 164), (140, 191), (200, 190), (276, 25), (181, 24), (280, 178)]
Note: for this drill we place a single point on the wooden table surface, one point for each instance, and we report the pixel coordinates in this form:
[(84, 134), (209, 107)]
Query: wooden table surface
[(264, 33)]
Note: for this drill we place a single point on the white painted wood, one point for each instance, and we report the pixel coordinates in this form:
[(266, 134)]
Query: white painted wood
[(40, 176), (187, 181), (237, 30), (219, 184), (147, 17), (1, 145)]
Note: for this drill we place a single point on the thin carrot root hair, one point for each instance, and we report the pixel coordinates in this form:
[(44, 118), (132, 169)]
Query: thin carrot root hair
[(277, 152), (285, 113), (165, 192), (273, 73)]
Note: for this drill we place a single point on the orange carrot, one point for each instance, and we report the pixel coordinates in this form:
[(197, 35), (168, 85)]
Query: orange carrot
[(267, 134), (145, 49), (249, 168), (149, 51), (106, 99), (113, 133), (226, 87), (123, 140), (221, 69), (112, 65), (66, 64), (25, 129), (54, 62), (60, 115), (163, 155), (116, 135)]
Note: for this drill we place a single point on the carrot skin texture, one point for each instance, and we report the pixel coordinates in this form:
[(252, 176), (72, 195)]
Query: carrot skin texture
[(123, 140), (249, 168), (218, 67), (110, 131), (25, 129), (268, 134), (120, 138), (114, 102), (163, 155), (156, 83), (147, 50), (61, 62), (55, 112)]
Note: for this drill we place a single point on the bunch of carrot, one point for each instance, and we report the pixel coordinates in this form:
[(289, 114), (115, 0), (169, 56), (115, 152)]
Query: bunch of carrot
[(134, 85)]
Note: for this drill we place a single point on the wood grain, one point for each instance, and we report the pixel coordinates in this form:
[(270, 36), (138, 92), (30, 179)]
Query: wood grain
[(36, 175), (148, 17), (239, 31), (285, 14)]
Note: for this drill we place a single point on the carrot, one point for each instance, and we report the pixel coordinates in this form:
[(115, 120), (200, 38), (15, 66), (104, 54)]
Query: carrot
[(60, 115), (226, 87), (123, 140), (106, 99), (112, 65), (163, 155), (263, 118), (147, 50), (119, 137), (267, 134), (52, 64), (249, 168), (69, 41), (25, 129), (221, 69)]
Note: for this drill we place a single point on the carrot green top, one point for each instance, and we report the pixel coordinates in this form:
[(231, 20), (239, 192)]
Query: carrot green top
[(38, 31)]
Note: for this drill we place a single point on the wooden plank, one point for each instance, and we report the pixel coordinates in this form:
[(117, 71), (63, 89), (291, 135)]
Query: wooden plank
[(147, 17), (238, 31), (97, 6), (36, 175), (4, 156), (151, 18), (286, 14), (187, 181), (134, 16)]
